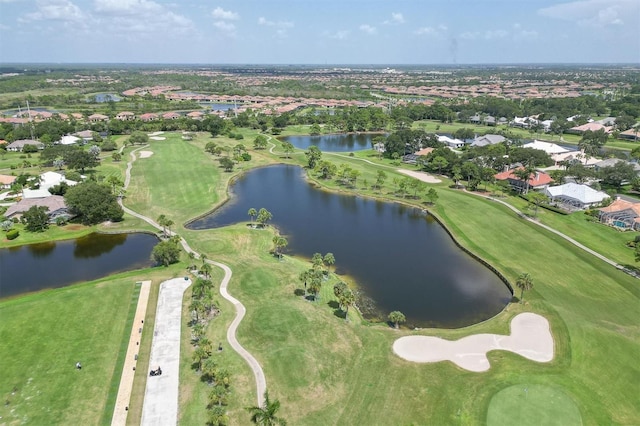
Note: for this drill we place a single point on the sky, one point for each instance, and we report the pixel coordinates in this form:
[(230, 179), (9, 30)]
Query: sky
[(320, 31)]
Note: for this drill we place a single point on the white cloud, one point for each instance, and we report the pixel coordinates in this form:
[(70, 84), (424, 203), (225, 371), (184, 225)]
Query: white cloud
[(140, 17), (338, 35), (56, 10), (225, 15), (224, 26), (281, 27), (425, 31), (365, 28), (486, 35), (595, 13), (127, 7), (396, 18)]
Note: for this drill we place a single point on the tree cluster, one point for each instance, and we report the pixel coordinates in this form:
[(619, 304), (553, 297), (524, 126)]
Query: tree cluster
[(93, 203)]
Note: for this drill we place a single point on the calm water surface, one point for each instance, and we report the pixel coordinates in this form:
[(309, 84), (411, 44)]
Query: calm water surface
[(334, 143), (57, 264), (399, 257)]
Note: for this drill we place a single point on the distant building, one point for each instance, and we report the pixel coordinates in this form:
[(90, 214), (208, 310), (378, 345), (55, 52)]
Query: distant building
[(18, 146), (576, 195), (488, 140)]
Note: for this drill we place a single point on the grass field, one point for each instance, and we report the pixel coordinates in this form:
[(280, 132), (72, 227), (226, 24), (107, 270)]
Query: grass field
[(526, 404), (325, 370)]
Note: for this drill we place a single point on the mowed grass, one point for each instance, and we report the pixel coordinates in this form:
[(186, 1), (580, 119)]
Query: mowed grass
[(43, 336), (328, 371), (526, 404)]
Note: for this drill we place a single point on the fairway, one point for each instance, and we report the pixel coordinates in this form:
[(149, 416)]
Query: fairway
[(527, 404)]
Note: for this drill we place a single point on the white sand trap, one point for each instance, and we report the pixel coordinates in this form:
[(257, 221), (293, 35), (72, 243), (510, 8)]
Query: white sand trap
[(155, 133), (530, 337), (425, 177), (157, 138), (146, 154)]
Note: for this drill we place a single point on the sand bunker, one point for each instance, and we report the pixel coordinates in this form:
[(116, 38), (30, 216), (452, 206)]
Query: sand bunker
[(157, 138), (530, 337), (155, 133), (425, 177), (146, 154)]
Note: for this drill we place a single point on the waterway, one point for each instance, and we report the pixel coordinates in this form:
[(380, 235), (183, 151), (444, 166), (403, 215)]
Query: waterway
[(347, 142), (55, 264), (399, 257)]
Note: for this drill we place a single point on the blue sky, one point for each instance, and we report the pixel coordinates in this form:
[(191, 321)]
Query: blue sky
[(320, 31)]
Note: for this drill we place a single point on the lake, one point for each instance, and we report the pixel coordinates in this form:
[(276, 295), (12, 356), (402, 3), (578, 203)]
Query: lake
[(399, 257), (347, 142), (57, 264)]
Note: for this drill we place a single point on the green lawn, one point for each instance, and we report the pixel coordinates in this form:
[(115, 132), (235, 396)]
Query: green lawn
[(325, 370), (527, 404)]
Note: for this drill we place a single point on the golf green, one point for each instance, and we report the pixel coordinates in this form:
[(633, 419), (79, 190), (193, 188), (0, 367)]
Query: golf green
[(527, 404)]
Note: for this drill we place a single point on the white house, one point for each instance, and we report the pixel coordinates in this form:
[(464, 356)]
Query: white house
[(450, 142), (488, 140), (47, 180), (576, 195), (69, 140), (548, 147)]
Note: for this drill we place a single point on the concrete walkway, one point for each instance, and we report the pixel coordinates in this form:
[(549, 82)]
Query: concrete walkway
[(161, 394), (530, 337), (121, 408), (240, 309)]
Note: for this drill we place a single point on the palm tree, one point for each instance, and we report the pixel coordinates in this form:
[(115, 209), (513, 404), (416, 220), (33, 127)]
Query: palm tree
[(397, 317), (347, 299), (205, 270), (266, 414), (524, 283), (280, 243), (252, 213), (524, 174), (329, 260)]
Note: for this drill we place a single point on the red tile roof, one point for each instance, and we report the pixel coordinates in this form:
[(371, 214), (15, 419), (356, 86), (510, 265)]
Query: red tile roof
[(538, 179)]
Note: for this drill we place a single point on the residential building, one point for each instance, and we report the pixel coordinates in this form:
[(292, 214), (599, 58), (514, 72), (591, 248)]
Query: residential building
[(488, 140), (538, 180), (450, 142), (621, 214), (18, 146), (6, 181), (575, 195), (55, 205)]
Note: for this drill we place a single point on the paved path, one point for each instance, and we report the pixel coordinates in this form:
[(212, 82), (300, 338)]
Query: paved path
[(530, 337), (161, 394), (261, 381), (240, 309), (128, 370)]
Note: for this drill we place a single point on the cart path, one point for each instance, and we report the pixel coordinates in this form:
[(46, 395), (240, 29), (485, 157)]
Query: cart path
[(121, 408), (261, 382)]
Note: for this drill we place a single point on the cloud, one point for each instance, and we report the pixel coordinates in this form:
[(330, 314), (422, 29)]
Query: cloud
[(338, 35), (368, 29), (425, 31), (225, 15), (281, 27), (224, 26), (595, 13), (486, 35), (56, 10), (140, 17), (396, 18)]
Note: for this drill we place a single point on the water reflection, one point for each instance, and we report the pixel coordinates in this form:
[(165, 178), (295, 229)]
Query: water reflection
[(400, 257), (57, 264), (347, 142)]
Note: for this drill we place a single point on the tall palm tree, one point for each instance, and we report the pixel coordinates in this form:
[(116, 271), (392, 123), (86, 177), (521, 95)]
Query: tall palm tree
[(266, 414), (524, 174), (347, 299), (252, 214), (524, 283)]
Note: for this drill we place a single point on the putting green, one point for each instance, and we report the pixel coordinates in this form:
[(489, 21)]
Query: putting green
[(532, 405)]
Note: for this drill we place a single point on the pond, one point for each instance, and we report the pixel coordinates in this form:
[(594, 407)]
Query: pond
[(347, 142), (399, 257), (57, 264)]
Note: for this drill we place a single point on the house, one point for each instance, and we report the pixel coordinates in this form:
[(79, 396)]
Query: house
[(632, 134), (95, 118), (150, 116), (621, 214), (125, 116), (575, 195), (47, 180), (521, 122), (489, 120), (69, 140), (488, 140), (86, 135), (548, 147), (450, 142), (171, 115), (610, 162), (196, 115), (55, 205), (6, 181), (538, 180), (18, 146), (594, 127)]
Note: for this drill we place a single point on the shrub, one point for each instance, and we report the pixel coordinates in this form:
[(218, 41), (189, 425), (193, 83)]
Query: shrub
[(13, 234)]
